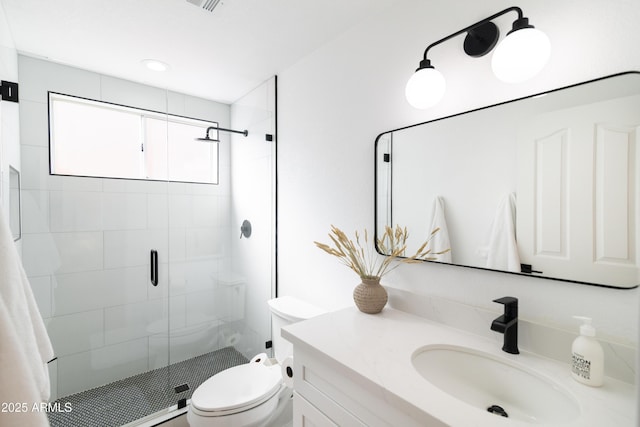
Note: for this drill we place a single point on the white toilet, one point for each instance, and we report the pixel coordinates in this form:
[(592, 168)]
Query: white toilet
[(252, 394)]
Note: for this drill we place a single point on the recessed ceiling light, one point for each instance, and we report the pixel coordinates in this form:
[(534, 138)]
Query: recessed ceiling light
[(155, 65)]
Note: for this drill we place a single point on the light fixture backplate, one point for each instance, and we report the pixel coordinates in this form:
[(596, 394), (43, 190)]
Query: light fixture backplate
[(481, 39)]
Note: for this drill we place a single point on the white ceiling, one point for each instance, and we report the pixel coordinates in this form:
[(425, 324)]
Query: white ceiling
[(219, 55)]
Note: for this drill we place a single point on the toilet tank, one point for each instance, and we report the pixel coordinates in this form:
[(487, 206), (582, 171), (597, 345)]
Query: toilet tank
[(285, 311)]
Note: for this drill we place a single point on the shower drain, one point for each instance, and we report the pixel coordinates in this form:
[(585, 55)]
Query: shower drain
[(495, 409)]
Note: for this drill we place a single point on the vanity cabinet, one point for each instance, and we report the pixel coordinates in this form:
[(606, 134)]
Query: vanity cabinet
[(327, 393)]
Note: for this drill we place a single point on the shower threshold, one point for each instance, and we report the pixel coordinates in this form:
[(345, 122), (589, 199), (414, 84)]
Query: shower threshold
[(125, 401)]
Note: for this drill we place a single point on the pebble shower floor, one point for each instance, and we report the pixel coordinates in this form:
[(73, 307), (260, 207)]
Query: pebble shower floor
[(132, 398)]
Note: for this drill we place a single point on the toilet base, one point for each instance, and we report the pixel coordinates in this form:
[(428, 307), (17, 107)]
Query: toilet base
[(284, 416)]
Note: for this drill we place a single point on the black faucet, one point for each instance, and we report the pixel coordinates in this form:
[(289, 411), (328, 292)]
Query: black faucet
[(507, 324)]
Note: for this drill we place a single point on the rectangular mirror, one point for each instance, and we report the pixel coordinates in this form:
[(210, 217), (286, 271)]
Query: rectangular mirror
[(15, 211), (545, 186)]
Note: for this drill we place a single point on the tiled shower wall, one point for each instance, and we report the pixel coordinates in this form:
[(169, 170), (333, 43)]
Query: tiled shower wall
[(87, 240)]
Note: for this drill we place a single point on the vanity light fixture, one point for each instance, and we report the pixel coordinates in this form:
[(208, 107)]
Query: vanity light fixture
[(518, 57)]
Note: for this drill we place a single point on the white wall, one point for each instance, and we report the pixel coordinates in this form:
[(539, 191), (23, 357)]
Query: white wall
[(333, 103)]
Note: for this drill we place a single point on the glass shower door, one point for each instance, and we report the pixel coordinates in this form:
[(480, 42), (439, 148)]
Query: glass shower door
[(205, 297), (220, 281)]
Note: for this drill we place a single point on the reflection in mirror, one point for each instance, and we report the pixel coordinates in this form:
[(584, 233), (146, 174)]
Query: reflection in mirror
[(546, 185), (15, 210)]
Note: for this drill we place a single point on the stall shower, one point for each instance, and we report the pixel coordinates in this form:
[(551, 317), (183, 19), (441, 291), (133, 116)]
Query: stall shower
[(144, 285)]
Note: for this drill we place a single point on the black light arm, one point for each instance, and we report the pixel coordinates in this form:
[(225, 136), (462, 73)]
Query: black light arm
[(521, 22)]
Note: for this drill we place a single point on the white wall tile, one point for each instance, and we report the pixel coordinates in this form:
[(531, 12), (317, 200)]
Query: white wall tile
[(75, 211), (35, 211), (132, 248), (178, 312), (83, 371), (124, 92), (40, 256), (206, 110), (35, 167), (229, 302), (179, 210), (203, 211), (76, 333), (177, 244), (200, 273), (134, 186), (91, 290), (158, 351), (157, 211), (203, 242), (80, 251), (136, 320), (162, 289), (73, 183), (177, 278), (224, 212), (203, 189), (114, 185), (31, 113), (201, 307), (184, 343), (125, 211), (43, 76), (177, 187), (41, 287)]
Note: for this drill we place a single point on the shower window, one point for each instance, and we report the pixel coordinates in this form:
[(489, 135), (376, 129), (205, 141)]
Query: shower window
[(100, 139)]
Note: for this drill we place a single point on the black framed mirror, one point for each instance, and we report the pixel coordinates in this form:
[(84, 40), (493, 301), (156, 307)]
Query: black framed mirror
[(545, 186)]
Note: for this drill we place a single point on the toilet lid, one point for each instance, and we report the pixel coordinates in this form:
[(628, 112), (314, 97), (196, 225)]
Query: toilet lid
[(239, 387), (293, 309)]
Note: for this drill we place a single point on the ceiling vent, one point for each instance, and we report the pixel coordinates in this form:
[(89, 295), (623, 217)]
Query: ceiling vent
[(205, 4)]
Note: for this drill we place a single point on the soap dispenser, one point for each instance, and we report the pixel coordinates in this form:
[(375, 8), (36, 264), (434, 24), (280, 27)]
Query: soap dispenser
[(587, 364)]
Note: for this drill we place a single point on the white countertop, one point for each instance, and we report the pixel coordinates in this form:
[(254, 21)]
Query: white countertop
[(380, 348)]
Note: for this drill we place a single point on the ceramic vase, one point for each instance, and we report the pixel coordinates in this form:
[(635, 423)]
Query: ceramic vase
[(370, 296)]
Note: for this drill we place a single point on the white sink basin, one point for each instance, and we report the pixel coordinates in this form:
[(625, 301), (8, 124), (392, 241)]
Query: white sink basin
[(484, 380)]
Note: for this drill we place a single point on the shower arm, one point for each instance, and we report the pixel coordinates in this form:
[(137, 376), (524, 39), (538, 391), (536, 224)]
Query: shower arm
[(243, 132)]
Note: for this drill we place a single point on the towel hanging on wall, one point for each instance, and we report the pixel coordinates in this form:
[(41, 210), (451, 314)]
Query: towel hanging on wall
[(440, 241), (25, 347), (502, 251)]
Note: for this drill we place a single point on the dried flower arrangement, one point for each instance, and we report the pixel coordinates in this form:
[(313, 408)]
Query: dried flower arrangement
[(366, 262)]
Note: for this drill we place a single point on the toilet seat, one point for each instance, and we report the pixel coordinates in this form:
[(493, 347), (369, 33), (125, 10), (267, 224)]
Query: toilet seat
[(237, 389)]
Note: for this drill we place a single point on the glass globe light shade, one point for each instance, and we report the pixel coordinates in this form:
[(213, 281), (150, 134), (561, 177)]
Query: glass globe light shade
[(425, 88), (521, 55)]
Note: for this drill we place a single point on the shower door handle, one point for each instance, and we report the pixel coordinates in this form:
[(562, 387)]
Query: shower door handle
[(154, 267)]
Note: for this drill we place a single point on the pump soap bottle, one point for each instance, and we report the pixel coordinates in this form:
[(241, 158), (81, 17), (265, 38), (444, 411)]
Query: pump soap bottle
[(587, 364)]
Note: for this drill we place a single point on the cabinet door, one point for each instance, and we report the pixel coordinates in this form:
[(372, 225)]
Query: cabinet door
[(578, 192), (307, 415)]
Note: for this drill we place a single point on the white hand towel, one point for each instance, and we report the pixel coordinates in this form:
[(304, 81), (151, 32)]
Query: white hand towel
[(440, 240), (502, 251), (25, 347)]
